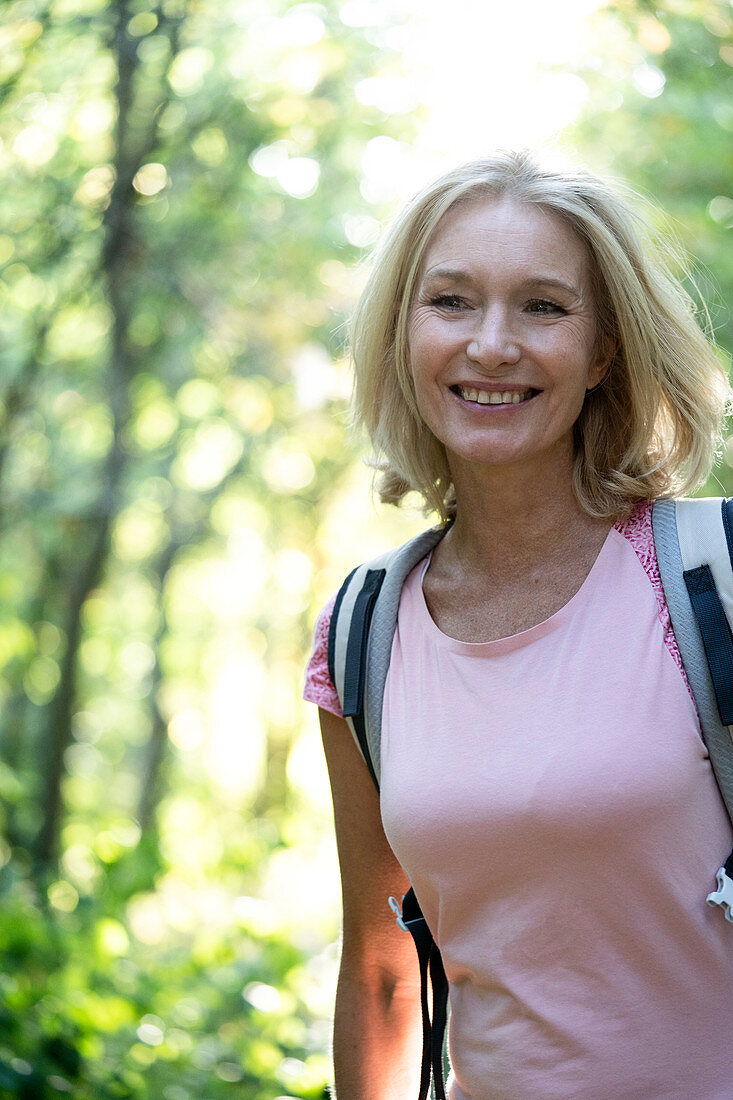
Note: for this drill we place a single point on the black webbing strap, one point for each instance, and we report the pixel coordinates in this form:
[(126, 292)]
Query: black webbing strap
[(727, 510), (356, 647), (715, 634), (439, 983), (728, 866), (332, 628), (430, 963)]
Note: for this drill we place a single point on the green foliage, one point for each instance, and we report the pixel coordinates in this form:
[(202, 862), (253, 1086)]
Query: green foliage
[(87, 1010), (179, 182)]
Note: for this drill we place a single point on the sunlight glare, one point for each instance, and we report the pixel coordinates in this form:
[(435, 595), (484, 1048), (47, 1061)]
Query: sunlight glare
[(488, 76), (235, 754), (307, 771)]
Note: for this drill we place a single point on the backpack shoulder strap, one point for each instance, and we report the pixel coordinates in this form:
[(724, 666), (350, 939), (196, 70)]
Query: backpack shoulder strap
[(694, 544), (360, 637)]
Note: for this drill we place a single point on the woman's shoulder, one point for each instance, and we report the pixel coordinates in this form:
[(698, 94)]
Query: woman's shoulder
[(636, 527)]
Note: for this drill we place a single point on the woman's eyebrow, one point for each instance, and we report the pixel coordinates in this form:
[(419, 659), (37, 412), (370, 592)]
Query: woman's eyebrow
[(550, 281), (454, 274), (460, 275)]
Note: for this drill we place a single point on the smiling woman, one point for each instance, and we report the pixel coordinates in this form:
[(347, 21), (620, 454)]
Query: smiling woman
[(526, 361)]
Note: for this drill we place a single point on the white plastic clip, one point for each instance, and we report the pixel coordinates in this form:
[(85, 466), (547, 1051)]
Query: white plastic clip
[(723, 896), (397, 910)]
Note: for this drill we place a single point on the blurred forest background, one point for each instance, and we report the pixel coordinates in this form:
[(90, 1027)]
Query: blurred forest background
[(187, 191)]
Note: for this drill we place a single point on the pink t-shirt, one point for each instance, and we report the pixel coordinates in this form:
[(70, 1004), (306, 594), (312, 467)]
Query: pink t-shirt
[(551, 800)]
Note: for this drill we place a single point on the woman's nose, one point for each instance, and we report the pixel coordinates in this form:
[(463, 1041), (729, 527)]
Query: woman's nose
[(493, 340)]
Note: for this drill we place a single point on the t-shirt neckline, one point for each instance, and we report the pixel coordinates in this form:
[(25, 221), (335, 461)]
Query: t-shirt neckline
[(498, 646)]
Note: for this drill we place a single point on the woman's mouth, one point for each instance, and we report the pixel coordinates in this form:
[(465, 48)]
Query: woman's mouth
[(494, 397)]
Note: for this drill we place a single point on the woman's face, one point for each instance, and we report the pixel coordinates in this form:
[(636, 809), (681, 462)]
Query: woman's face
[(502, 335)]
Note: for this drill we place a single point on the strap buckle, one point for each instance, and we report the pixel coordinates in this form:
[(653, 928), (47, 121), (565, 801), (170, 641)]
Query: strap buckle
[(723, 896), (397, 910)]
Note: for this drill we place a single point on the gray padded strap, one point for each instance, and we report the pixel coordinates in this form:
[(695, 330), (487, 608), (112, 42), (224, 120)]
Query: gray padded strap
[(343, 623), (700, 522), (398, 563), (384, 623), (345, 612)]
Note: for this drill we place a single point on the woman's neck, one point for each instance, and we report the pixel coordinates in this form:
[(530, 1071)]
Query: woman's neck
[(510, 519)]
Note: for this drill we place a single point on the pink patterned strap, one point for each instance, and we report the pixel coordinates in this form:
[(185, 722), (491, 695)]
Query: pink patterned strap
[(636, 529)]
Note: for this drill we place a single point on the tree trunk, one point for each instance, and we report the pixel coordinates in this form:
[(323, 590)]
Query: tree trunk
[(151, 783), (118, 258)]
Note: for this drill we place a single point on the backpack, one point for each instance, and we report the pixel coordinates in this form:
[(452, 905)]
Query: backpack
[(694, 546)]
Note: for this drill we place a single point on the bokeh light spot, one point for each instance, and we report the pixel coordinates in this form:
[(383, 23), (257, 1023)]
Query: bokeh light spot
[(150, 179), (263, 997), (649, 80), (151, 1031), (63, 896), (186, 74), (299, 176), (141, 24)]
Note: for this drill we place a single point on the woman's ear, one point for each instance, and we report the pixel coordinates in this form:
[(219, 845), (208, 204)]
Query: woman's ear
[(608, 348)]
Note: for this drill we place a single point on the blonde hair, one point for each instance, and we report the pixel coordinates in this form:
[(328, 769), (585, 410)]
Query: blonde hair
[(652, 428)]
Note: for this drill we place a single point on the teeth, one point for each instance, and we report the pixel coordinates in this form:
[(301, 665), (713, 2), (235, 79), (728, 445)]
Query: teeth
[(483, 397)]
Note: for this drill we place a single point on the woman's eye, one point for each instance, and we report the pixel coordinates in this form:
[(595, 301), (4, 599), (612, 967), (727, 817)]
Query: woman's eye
[(447, 301), (543, 306)]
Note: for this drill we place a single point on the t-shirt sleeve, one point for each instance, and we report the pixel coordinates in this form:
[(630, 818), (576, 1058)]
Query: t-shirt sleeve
[(318, 686)]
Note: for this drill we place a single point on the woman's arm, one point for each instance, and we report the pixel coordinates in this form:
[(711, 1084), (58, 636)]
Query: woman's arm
[(377, 1029)]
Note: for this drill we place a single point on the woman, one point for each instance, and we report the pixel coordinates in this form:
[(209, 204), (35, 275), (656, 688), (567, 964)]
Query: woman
[(525, 361)]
